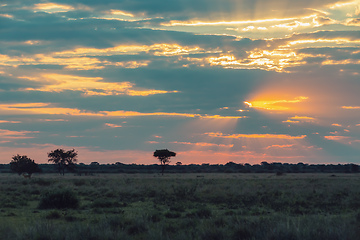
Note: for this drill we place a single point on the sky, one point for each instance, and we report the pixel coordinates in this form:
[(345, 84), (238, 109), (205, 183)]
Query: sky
[(215, 81)]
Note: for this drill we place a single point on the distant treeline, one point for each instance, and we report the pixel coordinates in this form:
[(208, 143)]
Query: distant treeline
[(230, 167)]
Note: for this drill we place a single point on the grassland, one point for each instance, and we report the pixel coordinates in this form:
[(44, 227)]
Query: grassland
[(183, 206)]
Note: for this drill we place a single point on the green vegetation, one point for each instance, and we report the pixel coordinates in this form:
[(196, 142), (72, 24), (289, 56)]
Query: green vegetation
[(181, 206), (63, 159), (60, 199), (24, 165)]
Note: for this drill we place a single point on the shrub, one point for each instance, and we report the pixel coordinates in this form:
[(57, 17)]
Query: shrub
[(172, 215), (59, 199), (71, 218), (136, 227), (79, 182), (104, 203), (203, 212), (242, 233), (213, 234), (53, 215)]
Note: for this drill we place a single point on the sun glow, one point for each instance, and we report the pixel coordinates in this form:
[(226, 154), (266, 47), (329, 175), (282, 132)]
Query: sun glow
[(278, 105)]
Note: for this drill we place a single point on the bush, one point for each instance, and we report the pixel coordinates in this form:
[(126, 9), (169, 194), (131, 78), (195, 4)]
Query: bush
[(53, 215), (59, 199), (203, 212), (172, 215), (104, 203)]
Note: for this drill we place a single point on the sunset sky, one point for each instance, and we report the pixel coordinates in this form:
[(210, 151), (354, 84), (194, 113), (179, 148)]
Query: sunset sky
[(215, 81)]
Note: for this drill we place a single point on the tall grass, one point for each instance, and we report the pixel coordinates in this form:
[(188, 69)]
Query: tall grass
[(117, 207)]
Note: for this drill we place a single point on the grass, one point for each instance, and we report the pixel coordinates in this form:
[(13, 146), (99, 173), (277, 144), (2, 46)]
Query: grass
[(182, 206)]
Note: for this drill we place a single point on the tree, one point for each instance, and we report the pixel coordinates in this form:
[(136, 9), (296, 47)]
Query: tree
[(164, 156), (63, 159), (24, 164)]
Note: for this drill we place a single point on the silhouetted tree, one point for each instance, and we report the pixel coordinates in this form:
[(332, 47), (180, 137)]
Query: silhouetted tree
[(63, 159), (24, 164), (164, 156), (178, 163)]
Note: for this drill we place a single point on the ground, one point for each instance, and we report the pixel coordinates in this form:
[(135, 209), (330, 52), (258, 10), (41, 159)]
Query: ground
[(182, 206)]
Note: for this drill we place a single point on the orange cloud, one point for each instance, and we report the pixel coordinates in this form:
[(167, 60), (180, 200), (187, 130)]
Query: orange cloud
[(5, 121), (222, 117), (200, 23), (112, 125), (341, 4), (160, 49), (351, 107), (205, 144), (280, 146), (236, 136), (353, 22), (321, 40), (297, 119), (336, 138), (302, 118), (6, 15), (47, 108), (52, 7), (53, 120), (91, 86), (342, 139), (290, 121), (8, 134), (119, 12), (279, 105)]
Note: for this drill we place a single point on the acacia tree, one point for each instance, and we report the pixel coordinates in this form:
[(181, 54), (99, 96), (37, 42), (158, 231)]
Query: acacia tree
[(24, 164), (63, 159), (164, 156)]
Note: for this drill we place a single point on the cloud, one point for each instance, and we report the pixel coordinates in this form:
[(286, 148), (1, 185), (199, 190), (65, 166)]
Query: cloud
[(52, 7), (50, 109), (205, 144), (6, 121), (89, 86), (338, 138), (278, 105), (267, 136), (112, 125), (8, 134), (280, 146), (351, 107)]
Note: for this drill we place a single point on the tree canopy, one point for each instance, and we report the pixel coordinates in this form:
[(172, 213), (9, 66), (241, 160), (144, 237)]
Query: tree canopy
[(63, 159), (164, 156), (23, 164)]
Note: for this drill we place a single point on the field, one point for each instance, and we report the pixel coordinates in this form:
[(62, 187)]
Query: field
[(180, 206)]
